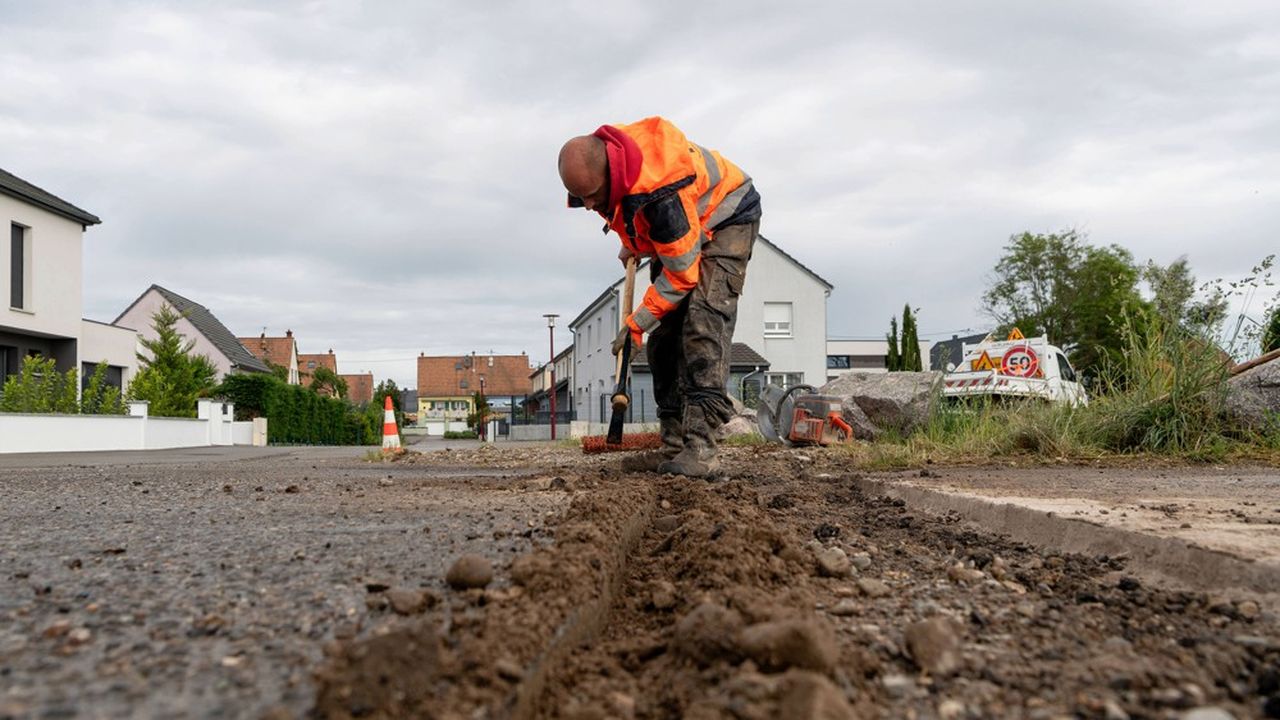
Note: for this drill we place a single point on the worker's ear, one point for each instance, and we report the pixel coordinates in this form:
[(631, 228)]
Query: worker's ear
[(576, 202)]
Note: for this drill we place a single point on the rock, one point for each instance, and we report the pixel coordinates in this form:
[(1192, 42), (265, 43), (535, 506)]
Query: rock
[(863, 428), (79, 636), (470, 571), (873, 588), (662, 595), (1207, 713), (407, 601), (1113, 711), (57, 629), (783, 644), (845, 608), (737, 425), (667, 523), (950, 710), (1254, 395), (899, 401), (934, 644), (963, 574), (707, 633), (1248, 610), (861, 561), (833, 563), (810, 696), (897, 686), (508, 669), (622, 705)]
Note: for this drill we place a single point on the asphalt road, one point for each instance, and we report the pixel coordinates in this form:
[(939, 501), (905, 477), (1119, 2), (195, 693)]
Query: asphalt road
[(206, 582)]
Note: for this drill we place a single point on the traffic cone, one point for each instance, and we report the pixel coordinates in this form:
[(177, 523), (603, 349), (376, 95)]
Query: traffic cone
[(390, 434)]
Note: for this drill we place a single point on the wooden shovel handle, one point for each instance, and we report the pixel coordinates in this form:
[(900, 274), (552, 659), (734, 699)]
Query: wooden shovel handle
[(628, 303)]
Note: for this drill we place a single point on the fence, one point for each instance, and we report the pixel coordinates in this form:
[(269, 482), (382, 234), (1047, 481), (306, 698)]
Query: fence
[(214, 425)]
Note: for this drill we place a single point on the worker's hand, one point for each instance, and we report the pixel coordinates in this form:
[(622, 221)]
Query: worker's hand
[(624, 255), (637, 339)]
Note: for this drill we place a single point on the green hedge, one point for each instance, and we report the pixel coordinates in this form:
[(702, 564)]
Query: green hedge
[(298, 415)]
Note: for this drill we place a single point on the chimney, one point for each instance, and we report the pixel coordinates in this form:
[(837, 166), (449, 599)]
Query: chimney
[(288, 333)]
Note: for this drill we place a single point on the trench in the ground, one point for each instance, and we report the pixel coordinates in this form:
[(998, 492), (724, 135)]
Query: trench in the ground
[(1042, 632)]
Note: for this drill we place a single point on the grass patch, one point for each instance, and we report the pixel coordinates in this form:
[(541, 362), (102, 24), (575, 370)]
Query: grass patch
[(1163, 400)]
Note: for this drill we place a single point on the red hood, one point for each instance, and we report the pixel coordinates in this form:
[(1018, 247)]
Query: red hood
[(624, 162)]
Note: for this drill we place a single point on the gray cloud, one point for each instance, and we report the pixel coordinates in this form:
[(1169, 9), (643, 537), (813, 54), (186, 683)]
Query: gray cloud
[(378, 177)]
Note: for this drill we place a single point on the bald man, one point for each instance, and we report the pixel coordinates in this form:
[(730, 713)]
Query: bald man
[(695, 215)]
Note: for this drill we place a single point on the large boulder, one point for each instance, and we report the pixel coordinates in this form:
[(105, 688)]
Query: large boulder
[(898, 401), (1253, 396)]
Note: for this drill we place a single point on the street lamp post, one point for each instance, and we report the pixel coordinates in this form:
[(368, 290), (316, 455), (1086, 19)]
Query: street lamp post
[(551, 333)]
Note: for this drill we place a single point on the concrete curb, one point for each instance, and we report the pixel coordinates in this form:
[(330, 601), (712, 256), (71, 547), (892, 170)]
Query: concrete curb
[(585, 623), (1167, 559)]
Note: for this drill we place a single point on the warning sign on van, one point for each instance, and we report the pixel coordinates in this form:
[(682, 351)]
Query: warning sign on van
[(1020, 361), (983, 362)]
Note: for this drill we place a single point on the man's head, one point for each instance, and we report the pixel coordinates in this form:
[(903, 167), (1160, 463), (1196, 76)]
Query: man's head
[(584, 170)]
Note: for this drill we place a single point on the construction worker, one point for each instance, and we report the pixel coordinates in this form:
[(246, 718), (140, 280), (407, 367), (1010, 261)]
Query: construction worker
[(695, 215)]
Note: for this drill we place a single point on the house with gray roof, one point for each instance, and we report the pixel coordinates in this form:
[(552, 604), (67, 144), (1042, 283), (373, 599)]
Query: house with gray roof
[(198, 324), (41, 293)]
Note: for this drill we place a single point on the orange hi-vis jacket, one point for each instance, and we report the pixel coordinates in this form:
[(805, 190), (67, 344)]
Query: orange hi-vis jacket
[(683, 194)]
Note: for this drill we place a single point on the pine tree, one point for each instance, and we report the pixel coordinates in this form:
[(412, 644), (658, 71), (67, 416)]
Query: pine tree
[(911, 360), (171, 378), (893, 361)]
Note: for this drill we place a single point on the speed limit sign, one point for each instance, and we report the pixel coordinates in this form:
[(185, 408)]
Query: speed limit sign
[(1020, 361)]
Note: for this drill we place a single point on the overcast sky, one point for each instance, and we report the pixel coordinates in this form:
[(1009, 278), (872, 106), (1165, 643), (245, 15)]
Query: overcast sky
[(380, 177)]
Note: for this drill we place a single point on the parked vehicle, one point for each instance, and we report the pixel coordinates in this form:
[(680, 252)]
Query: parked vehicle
[(1016, 367)]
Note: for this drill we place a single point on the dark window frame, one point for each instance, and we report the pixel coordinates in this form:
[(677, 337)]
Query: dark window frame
[(18, 266)]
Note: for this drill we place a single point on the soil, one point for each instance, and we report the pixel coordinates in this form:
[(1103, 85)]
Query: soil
[(722, 612)]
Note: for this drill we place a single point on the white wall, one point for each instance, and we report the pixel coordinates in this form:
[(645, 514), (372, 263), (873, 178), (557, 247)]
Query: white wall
[(117, 345), (54, 297), (140, 316), (23, 433)]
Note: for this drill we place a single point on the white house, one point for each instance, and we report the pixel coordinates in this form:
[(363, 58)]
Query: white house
[(780, 336), (211, 337), (864, 355), (41, 274)]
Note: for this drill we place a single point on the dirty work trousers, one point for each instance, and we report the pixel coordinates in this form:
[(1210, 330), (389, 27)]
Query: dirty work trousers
[(688, 352)]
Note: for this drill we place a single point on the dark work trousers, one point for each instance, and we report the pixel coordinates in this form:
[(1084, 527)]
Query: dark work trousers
[(688, 352)]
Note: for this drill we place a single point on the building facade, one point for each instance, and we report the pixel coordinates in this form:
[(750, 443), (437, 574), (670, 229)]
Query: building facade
[(447, 385), (41, 273), (864, 355)]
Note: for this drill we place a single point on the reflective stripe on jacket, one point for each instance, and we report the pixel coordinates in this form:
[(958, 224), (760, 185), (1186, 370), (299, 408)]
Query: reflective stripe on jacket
[(683, 194)]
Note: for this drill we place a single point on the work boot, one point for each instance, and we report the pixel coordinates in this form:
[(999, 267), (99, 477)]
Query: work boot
[(698, 458), (672, 443)]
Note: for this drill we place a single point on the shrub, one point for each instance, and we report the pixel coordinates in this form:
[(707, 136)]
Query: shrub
[(297, 414), (460, 435), (99, 398), (40, 388)]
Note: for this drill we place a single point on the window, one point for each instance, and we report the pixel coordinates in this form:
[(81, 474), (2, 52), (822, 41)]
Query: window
[(777, 319), (5, 354), (784, 380), (1064, 367), (837, 362), (18, 267), (311, 364)]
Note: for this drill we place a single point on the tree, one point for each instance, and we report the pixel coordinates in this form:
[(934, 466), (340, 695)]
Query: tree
[(910, 354), (893, 361), (1173, 295), (324, 380), (1076, 294), (477, 418), (171, 378), (1271, 333), (387, 388)]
